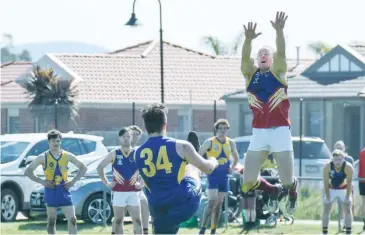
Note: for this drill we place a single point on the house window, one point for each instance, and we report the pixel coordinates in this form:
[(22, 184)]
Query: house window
[(13, 120), (335, 63), (14, 124), (354, 67), (183, 121), (245, 123), (313, 119), (344, 64)]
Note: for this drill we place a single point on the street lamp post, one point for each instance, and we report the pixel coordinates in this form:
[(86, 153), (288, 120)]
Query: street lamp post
[(133, 21)]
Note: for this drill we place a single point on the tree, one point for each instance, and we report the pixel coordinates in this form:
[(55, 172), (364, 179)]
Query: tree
[(25, 56), (220, 49), (6, 53), (51, 98), (7, 56), (319, 48)]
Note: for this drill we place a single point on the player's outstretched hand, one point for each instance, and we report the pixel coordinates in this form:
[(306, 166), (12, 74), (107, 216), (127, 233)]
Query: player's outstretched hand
[(111, 185), (250, 31), (280, 20)]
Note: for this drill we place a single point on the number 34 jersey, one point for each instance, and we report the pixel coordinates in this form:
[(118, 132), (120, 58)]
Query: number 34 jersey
[(161, 168)]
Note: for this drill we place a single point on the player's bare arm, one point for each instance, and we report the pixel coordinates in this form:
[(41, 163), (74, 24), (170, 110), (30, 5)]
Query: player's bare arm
[(207, 144), (81, 172), (30, 172), (349, 171), (279, 63), (104, 163), (247, 63), (234, 155), (187, 152), (326, 186)]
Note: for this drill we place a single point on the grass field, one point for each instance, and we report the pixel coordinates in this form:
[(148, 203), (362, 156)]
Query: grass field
[(39, 227)]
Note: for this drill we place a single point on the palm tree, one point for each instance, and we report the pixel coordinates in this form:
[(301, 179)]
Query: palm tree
[(49, 96), (319, 48), (220, 49)]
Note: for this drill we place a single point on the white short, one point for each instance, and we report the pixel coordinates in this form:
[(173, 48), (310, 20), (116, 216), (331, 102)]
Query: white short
[(339, 194), (277, 139), (123, 199)]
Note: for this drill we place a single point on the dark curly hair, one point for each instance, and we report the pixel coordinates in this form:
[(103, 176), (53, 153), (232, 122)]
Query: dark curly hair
[(194, 140)]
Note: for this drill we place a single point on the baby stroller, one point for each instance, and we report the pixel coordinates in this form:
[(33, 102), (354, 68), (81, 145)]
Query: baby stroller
[(262, 202)]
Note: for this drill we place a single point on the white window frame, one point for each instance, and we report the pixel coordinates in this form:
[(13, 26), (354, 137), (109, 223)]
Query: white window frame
[(187, 114)]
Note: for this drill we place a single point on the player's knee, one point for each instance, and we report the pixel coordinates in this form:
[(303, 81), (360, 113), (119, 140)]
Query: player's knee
[(51, 220), (73, 221), (290, 183), (118, 221)]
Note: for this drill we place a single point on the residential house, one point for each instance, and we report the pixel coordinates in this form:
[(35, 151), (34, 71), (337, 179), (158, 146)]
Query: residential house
[(108, 84), (333, 100)]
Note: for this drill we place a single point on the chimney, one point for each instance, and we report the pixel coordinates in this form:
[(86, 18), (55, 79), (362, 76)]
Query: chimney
[(298, 56)]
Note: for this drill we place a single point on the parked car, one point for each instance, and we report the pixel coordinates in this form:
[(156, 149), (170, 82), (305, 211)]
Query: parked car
[(19, 150), (87, 196), (315, 154)]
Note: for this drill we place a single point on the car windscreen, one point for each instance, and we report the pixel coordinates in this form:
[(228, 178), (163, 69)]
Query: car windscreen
[(312, 150), (11, 150)]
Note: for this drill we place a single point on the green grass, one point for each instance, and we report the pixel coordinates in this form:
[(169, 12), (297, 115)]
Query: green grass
[(39, 227)]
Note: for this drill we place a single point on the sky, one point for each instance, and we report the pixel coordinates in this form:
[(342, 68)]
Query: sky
[(185, 22)]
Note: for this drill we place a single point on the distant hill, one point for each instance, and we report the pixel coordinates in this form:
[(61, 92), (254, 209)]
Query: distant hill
[(37, 50)]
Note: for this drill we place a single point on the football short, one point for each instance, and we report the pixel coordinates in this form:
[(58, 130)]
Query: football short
[(57, 197), (276, 139), (123, 199), (362, 188), (166, 219), (339, 194), (221, 184)]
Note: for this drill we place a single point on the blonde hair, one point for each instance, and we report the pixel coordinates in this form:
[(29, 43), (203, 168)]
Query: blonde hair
[(338, 152)]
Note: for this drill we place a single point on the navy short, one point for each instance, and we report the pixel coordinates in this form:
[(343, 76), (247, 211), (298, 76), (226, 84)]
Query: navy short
[(218, 183), (57, 197), (166, 219)]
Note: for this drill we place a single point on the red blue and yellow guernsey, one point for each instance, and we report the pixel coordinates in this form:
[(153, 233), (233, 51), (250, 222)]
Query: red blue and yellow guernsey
[(268, 99), (337, 176)]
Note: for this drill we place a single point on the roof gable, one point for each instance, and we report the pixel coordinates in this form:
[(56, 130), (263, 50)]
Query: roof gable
[(341, 63)]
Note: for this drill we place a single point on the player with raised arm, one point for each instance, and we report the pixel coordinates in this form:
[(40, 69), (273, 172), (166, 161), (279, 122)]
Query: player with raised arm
[(125, 187), (337, 182), (222, 148), (56, 184), (266, 87), (172, 186)]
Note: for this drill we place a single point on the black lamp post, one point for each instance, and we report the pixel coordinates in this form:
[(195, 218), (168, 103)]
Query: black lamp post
[(133, 21)]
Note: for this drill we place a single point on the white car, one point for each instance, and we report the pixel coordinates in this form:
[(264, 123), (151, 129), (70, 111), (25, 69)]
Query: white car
[(19, 150), (315, 154)]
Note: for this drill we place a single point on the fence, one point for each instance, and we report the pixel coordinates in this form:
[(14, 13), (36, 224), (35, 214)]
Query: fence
[(329, 119), (309, 196)]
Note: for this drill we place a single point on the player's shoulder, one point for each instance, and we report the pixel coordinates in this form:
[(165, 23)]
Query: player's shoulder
[(328, 165)]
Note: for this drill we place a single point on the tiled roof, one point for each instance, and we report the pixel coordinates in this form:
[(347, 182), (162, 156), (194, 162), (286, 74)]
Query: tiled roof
[(133, 74), (11, 91), (359, 47), (302, 87)]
